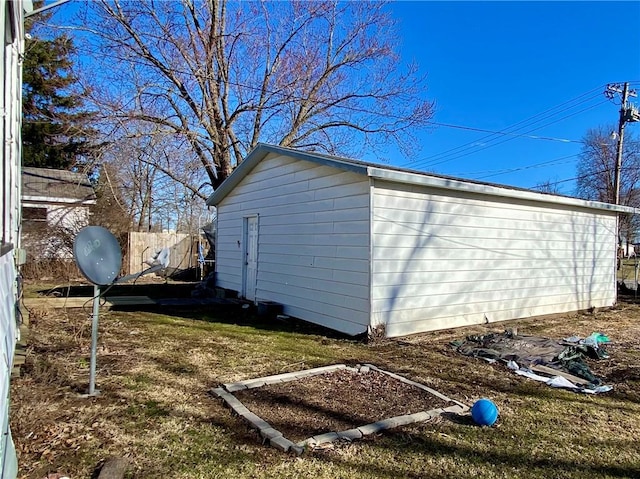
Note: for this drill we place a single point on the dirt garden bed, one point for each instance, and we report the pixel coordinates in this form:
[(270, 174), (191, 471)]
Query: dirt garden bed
[(335, 401)]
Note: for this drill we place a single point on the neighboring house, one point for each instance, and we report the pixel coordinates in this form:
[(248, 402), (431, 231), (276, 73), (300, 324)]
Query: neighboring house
[(12, 33), (356, 246), (55, 206)]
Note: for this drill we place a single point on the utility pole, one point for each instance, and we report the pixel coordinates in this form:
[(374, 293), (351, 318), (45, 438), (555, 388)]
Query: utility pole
[(627, 114)]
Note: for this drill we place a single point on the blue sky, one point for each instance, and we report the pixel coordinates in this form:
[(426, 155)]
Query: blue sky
[(490, 65), (493, 64)]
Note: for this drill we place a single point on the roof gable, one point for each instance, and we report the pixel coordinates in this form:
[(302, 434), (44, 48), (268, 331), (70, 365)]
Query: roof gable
[(262, 150)]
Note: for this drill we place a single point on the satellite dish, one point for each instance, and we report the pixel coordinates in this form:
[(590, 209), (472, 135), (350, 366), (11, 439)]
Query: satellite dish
[(99, 259), (163, 258), (97, 254)]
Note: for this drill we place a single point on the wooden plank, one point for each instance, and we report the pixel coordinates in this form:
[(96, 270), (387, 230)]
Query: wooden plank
[(539, 368), (60, 303), (85, 302)]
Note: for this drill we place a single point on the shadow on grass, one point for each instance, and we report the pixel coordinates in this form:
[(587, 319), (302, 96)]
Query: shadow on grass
[(465, 455), (237, 315), (152, 290)]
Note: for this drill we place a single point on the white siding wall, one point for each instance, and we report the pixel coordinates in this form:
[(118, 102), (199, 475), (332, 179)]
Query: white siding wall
[(313, 243), (63, 220), (450, 259), (11, 14), (11, 110), (8, 336), (72, 218)]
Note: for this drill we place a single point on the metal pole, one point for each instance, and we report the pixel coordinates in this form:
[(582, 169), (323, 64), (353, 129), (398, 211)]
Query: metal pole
[(623, 109), (635, 286), (94, 340)]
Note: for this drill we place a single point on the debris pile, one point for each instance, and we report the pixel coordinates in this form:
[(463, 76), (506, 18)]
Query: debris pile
[(557, 363)]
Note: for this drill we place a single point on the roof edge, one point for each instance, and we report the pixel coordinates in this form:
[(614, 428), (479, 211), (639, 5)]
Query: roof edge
[(402, 176), (58, 200), (486, 189)]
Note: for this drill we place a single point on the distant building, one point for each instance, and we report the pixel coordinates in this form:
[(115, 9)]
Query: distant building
[(55, 206)]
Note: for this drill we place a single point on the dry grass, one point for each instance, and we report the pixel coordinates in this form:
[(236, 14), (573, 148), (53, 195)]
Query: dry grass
[(155, 372)]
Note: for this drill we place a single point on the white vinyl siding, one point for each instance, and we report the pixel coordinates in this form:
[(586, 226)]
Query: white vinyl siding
[(11, 19), (313, 242), (346, 245), (11, 119), (443, 259)]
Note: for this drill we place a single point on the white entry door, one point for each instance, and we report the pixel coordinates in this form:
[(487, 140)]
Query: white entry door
[(250, 257)]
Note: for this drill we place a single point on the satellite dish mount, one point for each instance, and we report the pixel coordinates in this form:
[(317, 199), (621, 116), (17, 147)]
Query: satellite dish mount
[(99, 258)]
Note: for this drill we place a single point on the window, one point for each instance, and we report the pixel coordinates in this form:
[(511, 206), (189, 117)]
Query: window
[(34, 214)]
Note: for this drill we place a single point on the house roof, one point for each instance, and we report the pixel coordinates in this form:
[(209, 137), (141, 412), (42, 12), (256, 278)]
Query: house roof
[(44, 184), (401, 175)]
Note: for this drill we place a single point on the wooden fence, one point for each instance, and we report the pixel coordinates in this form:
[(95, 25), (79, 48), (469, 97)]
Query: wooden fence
[(142, 247)]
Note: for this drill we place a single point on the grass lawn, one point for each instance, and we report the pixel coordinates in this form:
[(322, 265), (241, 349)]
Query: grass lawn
[(627, 270), (155, 372)]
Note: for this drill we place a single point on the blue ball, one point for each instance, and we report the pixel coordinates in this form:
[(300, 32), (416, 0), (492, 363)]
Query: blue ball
[(484, 412)]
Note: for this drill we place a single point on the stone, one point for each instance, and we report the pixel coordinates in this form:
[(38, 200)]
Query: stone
[(280, 378), (327, 437), (228, 398), (240, 410), (320, 370), (233, 387), (256, 421), (232, 401), (370, 429), (299, 450), (270, 433), (422, 416), (218, 391), (281, 443), (350, 434), (255, 383), (383, 424)]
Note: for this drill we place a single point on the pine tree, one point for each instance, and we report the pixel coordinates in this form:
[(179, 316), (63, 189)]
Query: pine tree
[(55, 128)]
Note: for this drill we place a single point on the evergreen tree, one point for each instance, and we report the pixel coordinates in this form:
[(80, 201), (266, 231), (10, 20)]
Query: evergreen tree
[(55, 129)]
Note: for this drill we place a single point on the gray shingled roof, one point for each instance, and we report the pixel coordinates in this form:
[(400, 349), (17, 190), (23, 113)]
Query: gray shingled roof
[(63, 184)]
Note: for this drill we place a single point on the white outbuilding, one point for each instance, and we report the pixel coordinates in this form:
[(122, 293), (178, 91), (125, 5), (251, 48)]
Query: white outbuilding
[(356, 246)]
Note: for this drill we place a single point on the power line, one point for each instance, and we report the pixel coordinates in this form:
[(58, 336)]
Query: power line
[(555, 161), (527, 122), (474, 148), (493, 134), (582, 177), (533, 137)]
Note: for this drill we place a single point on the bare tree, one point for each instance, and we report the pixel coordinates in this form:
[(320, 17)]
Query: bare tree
[(111, 209), (548, 186), (136, 187), (218, 77), (596, 170)]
